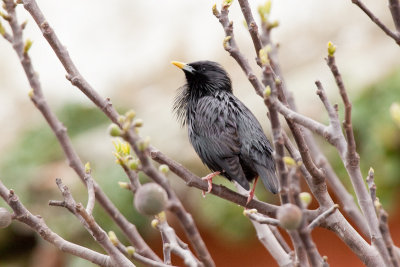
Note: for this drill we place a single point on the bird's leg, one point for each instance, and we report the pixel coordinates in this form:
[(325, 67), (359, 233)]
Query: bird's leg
[(209, 178), (251, 194)]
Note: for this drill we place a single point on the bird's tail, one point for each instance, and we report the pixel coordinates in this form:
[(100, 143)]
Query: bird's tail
[(269, 178)]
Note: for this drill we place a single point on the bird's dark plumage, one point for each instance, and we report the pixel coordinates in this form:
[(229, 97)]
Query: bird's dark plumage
[(223, 131)]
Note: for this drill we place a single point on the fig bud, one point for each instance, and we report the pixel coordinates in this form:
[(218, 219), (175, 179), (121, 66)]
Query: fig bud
[(289, 216), (150, 199)]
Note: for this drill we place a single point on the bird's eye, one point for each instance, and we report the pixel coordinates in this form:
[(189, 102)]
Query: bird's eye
[(203, 69)]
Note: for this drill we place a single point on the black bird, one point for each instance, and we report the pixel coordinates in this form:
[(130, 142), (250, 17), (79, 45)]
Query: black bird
[(223, 131)]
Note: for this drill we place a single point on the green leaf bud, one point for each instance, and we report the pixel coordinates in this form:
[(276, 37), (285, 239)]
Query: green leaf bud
[(113, 238), (130, 114), (138, 123), (124, 185), (289, 161), (133, 164), (331, 49), (155, 223), (267, 92), (225, 43), (163, 168), (215, 10), (28, 45), (114, 130), (130, 250), (88, 169), (305, 198)]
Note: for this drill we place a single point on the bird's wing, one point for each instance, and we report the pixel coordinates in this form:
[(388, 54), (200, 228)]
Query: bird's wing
[(256, 149), (214, 135)]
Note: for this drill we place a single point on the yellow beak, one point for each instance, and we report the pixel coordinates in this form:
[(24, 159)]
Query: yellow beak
[(183, 66), (180, 65)]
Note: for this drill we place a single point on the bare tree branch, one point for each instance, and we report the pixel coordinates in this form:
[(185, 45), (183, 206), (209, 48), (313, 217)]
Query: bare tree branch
[(351, 160), (171, 243), (37, 224), (77, 209)]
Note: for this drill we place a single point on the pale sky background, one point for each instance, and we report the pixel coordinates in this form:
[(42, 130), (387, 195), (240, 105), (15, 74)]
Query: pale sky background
[(124, 48)]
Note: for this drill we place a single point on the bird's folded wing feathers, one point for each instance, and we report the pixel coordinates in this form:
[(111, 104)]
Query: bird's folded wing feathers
[(215, 138)]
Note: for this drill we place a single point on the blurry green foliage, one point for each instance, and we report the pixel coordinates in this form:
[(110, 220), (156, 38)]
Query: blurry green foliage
[(38, 146)]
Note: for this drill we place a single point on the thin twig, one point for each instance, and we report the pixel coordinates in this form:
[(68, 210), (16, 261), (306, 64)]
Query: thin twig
[(371, 184), (252, 214), (377, 21), (384, 228), (252, 26), (383, 219), (133, 178), (317, 221), (172, 244)]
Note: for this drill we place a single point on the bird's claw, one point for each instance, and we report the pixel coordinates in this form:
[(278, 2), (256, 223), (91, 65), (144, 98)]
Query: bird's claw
[(209, 178)]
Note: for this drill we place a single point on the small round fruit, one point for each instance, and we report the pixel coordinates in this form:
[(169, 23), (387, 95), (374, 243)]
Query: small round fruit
[(150, 199), (289, 216)]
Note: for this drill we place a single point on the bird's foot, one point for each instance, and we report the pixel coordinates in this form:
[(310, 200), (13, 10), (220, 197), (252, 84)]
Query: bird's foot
[(251, 194), (209, 178)]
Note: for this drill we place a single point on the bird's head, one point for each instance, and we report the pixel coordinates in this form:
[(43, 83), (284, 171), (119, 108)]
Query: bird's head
[(205, 77)]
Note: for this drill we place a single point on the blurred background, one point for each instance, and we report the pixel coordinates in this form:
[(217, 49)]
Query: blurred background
[(124, 48)]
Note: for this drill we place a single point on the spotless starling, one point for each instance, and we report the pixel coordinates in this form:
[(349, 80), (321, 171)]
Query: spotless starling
[(223, 131)]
